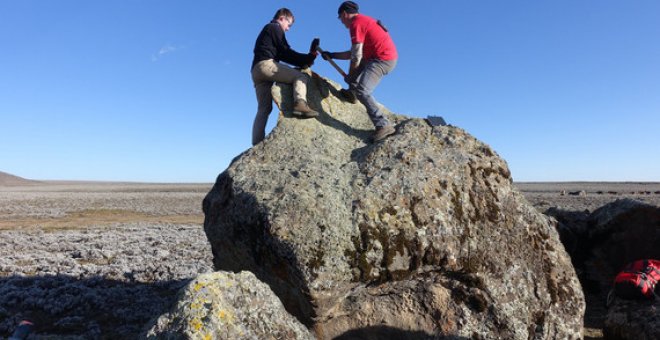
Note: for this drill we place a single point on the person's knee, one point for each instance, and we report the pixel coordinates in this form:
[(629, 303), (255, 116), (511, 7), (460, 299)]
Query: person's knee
[(303, 77)]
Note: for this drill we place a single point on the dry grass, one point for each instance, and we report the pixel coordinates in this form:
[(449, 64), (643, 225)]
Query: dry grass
[(96, 217)]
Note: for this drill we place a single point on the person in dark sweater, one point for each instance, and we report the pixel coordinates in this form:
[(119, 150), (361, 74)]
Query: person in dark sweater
[(271, 51)]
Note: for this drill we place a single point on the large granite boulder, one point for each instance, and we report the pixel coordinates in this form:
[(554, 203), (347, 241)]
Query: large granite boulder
[(228, 306), (420, 235)]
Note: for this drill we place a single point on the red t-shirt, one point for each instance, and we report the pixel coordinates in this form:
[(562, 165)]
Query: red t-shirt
[(376, 42)]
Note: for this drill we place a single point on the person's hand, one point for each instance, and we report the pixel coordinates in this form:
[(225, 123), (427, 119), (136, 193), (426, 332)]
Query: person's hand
[(347, 78), (310, 59), (326, 55)]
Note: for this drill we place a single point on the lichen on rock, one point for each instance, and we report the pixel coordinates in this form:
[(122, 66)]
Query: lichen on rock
[(421, 232), (224, 305)]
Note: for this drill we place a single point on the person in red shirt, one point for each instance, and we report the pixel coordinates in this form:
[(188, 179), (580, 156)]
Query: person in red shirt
[(373, 55)]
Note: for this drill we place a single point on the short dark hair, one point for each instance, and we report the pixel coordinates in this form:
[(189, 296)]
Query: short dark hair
[(284, 12), (349, 7)]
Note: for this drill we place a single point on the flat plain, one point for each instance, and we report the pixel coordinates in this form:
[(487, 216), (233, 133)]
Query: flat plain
[(99, 260), (581, 196)]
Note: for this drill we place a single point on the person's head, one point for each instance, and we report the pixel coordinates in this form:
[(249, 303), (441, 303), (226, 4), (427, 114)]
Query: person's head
[(347, 11), (285, 18)]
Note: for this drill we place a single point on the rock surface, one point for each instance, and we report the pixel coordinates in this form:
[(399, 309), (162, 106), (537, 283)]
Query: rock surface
[(227, 306), (621, 232), (601, 244), (96, 282), (633, 320), (421, 233)]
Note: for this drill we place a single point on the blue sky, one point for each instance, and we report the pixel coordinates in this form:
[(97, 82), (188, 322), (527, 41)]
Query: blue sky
[(160, 91)]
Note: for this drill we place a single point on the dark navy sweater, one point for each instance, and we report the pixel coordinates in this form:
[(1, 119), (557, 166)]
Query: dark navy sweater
[(271, 44)]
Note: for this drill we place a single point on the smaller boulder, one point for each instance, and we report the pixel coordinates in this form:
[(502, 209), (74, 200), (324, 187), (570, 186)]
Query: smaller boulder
[(621, 232), (224, 305), (631, 319)]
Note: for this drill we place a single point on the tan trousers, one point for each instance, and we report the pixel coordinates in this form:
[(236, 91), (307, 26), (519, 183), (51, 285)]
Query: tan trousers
[(264, 73)]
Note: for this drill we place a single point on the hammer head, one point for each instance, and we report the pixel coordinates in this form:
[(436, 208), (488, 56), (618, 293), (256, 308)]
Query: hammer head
[(315, 44)]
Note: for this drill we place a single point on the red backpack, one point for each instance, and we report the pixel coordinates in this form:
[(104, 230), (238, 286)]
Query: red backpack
[(638, 280)]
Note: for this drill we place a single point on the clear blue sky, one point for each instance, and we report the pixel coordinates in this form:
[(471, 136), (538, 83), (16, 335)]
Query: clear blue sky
[(160, 91)]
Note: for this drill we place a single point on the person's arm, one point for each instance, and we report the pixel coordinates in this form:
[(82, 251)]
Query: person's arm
[(356, 57), (338, 55), (286, 54)]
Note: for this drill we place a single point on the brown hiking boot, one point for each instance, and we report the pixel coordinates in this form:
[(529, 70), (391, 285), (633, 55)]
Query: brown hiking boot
[(348, 95), (382, 132), (302, 109)]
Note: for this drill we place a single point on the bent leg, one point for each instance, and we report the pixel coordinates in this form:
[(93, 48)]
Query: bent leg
[(366, 83), (284, 74)]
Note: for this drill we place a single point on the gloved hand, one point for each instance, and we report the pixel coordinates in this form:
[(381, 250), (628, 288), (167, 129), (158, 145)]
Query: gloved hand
[(310, 59), (326, 55)]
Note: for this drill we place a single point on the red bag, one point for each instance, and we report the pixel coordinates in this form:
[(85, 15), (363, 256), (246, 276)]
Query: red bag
[(638, 280)]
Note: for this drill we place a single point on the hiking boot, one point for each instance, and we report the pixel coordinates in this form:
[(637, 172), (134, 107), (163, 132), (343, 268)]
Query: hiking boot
[(302, 109), (348, 95), (382, 132)]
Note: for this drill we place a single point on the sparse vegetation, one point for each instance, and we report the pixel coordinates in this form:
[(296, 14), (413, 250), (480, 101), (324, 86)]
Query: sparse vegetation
[(97, 260)]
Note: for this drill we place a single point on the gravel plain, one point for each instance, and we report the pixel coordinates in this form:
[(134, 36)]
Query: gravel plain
[(582, 196), (99, 260)]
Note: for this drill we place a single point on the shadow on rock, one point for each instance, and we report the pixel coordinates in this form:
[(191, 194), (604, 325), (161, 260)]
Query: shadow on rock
[(241, 239), (325, 89), (602, 243), (93, 308), (384, 333)]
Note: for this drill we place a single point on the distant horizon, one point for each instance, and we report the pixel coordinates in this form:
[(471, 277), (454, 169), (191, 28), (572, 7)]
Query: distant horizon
[(101, 181), (82, 181)]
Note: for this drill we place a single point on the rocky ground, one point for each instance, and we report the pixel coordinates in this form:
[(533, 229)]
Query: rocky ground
[(99, 260), (94, 260), (581, 196)]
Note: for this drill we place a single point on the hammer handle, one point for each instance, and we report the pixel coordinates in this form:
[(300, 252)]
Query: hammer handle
[(332, 62)]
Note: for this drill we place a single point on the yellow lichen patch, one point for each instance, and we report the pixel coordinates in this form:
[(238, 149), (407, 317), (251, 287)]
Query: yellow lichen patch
[(226, 316), (196, 324)]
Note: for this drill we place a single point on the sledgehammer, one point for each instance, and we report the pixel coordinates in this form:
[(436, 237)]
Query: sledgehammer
[(315, 47)]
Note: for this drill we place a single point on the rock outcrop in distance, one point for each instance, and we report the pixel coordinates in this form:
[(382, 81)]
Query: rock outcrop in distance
[(420, 235), (12, 180)]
